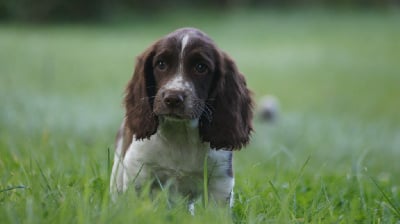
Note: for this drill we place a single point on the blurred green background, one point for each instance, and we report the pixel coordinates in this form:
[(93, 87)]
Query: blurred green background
[(95, 10), (333, 65)]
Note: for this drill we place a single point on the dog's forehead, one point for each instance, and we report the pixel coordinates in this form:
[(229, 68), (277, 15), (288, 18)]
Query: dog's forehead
[(186, 36), (192, 32)]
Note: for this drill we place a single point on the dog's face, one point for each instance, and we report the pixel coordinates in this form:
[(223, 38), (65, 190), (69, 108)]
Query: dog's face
[(185, 76), (184, 69)]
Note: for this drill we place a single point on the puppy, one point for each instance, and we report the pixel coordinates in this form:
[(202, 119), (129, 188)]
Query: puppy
[(187, 106)]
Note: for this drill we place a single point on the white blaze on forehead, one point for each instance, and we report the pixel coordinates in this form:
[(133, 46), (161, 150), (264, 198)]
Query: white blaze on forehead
[(185, 41), (178, 82)]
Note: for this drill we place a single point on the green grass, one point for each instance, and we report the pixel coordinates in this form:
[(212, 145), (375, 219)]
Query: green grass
[(332, 157)]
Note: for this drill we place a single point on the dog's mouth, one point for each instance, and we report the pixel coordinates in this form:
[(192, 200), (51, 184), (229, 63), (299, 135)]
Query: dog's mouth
[(176, 117)]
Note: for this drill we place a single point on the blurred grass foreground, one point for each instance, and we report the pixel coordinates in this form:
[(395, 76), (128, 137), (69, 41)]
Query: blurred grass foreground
[(331, 157)]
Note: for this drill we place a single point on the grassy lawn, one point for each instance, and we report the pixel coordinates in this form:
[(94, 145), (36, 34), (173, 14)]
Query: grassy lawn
[(332, 157)]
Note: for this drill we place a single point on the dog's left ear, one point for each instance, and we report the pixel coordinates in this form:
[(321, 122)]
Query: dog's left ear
[(232, 108)]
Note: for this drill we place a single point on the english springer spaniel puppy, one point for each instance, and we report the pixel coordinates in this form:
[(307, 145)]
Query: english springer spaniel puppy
[(186, 104)]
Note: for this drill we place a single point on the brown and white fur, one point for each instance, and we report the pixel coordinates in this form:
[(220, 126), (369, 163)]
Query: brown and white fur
[(186, 101)]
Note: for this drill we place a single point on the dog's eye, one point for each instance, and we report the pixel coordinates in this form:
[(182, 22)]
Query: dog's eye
[(161, 65), (201, 68)]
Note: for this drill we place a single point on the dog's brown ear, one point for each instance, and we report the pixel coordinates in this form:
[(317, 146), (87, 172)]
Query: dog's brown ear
[(232, 109), (139, 98)]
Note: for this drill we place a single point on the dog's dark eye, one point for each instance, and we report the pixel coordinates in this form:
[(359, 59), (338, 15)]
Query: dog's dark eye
[(201, 68), (161, 65)]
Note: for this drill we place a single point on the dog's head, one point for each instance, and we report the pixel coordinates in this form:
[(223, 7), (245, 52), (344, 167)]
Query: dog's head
[(185, 76)]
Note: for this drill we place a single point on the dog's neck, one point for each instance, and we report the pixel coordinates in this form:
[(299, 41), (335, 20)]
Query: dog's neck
[(179, 131)]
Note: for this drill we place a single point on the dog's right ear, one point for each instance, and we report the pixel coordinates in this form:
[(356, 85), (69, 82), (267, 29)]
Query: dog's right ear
[(139, 97)]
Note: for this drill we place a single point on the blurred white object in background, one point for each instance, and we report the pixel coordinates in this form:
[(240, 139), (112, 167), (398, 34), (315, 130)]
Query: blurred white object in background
[(268, 108)]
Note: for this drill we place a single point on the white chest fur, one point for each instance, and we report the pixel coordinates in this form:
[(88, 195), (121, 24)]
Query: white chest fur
[(174, 156)]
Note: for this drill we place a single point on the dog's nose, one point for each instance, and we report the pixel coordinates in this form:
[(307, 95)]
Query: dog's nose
[(174, 98)]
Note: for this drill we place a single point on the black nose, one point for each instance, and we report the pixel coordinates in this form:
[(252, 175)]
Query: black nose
[(174, 98)]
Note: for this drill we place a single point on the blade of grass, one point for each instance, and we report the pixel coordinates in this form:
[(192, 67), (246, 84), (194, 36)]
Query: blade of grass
[(44, 177), (275, 190), (108, 161), (13, 188), (137, 174), (388, 200), (47, 184), (205, 182), (285, 203), (163, 191)]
